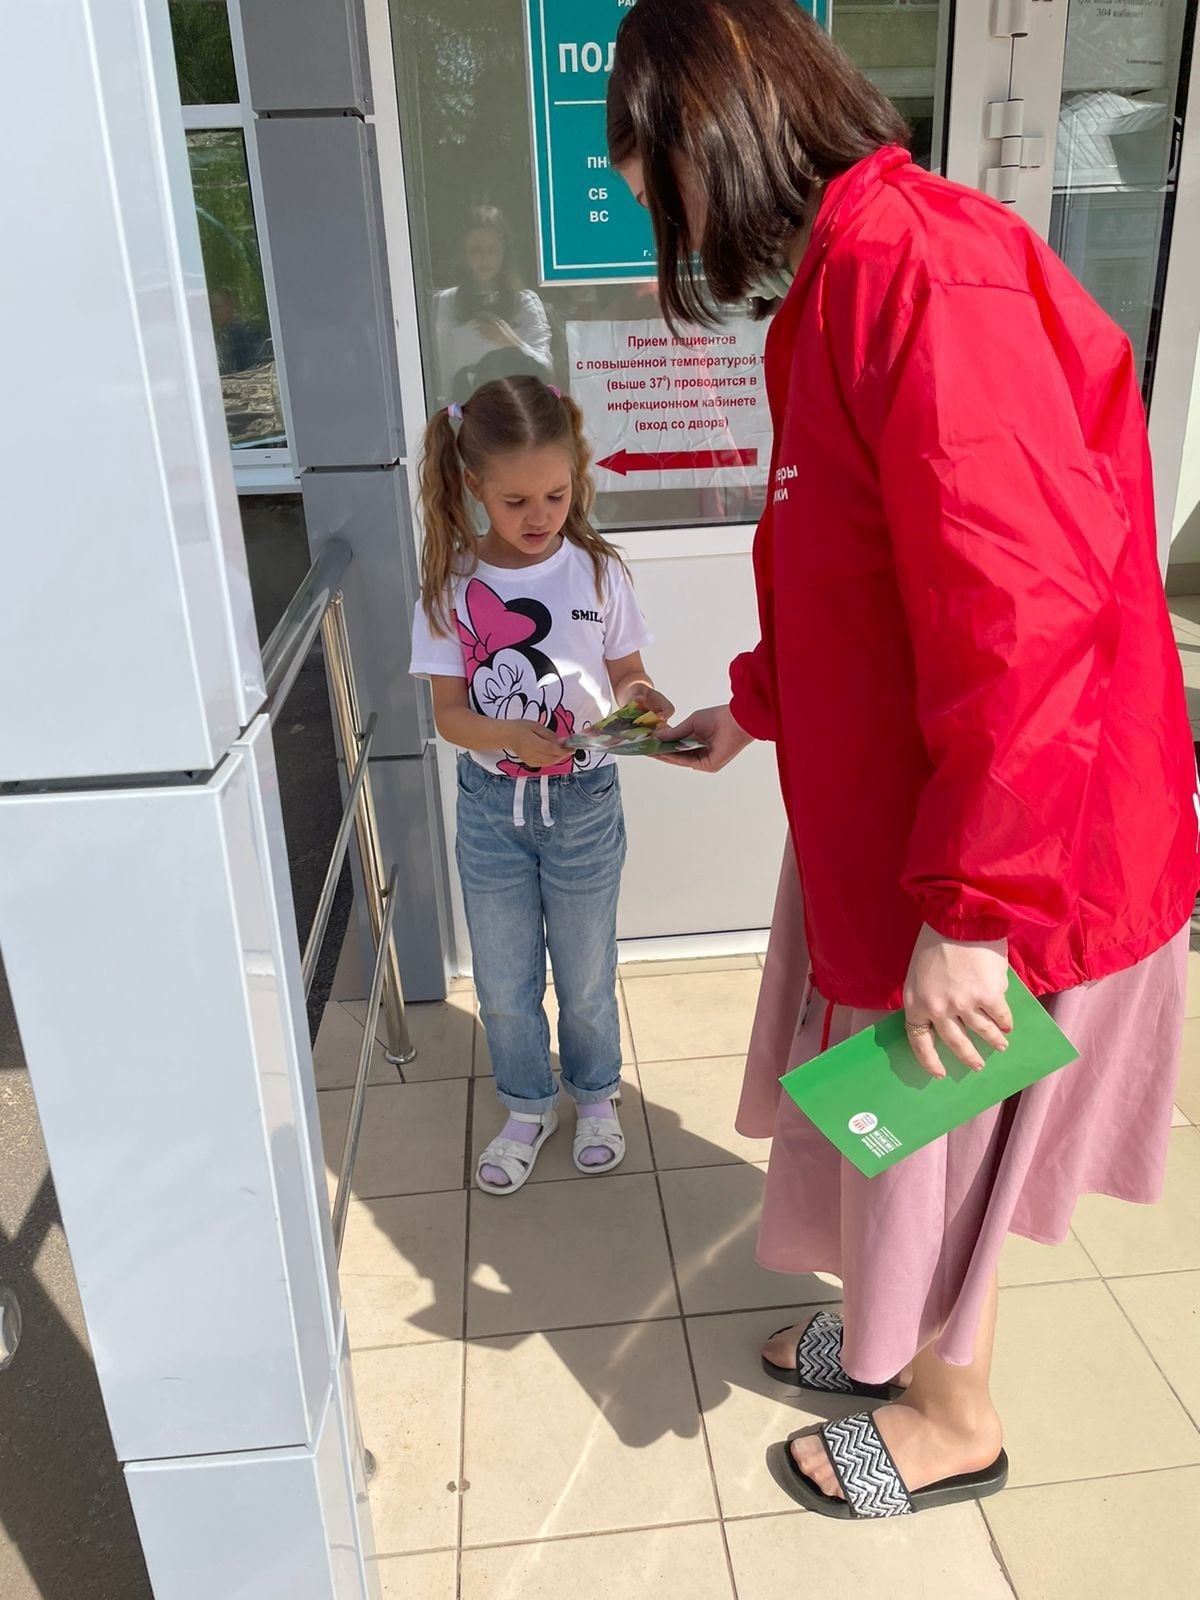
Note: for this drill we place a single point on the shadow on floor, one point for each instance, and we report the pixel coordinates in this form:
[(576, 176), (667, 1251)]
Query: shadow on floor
[(66, 1526), (507, 1269)]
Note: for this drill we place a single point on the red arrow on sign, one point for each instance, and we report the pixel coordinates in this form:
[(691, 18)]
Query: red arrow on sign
[(627, 461)]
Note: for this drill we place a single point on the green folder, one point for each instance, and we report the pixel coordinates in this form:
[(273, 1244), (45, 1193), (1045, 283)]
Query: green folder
[(870, 1098)]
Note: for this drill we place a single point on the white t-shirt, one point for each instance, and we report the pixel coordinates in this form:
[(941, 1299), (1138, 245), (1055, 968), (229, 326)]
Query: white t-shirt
[(532, 643)]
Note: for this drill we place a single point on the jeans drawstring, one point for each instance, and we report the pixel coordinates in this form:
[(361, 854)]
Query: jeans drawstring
[(519, 802)]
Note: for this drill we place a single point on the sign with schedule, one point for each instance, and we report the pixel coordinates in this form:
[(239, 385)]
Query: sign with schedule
[(590, 228)]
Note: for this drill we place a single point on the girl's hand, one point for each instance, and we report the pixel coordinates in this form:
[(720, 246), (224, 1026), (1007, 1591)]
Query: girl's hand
[(723, 738), (533, 744), (954, 986), (651, 700)]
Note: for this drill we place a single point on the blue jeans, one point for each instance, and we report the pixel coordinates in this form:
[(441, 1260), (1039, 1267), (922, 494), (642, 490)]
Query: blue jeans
[(535, 886)]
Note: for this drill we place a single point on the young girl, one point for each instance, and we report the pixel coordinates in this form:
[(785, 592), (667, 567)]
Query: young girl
[(529, 635)]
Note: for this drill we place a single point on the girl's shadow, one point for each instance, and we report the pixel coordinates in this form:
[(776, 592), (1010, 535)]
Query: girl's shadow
[(634, 1245)]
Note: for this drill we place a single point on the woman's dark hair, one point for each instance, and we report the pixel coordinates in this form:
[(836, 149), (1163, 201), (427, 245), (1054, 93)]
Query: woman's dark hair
[(763, 107), (469, 303)]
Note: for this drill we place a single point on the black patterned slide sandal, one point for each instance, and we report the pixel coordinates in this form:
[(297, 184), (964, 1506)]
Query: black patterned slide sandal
[(869, 1477), (819, 1363)]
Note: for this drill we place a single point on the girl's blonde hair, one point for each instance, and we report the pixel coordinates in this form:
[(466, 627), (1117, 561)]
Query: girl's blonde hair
[(499, 419)]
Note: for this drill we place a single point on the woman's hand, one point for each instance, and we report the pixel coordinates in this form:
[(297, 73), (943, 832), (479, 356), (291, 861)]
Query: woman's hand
[(954, 986), (723, 740), (533, 744), (496, 331)]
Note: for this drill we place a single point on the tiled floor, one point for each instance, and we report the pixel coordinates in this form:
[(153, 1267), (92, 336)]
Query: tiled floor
[(562, 1389)]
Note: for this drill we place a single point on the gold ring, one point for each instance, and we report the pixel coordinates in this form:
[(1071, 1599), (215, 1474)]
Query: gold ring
[(918, 1028)]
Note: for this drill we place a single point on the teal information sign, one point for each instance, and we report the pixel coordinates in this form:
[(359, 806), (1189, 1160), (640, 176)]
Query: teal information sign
[(590, 228)]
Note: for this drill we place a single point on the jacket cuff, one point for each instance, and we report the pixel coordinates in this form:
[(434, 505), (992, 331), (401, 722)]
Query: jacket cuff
[(967, 929), (750, 707)]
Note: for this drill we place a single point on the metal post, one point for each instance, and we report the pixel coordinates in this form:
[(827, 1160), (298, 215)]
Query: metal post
[(358, 1100), (320, 922), (400, 1048)]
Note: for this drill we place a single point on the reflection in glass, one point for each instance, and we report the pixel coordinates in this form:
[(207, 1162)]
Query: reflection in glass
[(464, 92), (488, 325), (1116, 156), (236, 294), (203, 53), (902, 48)]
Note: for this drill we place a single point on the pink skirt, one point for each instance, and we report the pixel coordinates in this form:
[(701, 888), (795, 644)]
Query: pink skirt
[(916, 1247)]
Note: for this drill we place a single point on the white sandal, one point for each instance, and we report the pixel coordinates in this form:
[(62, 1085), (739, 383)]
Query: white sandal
[(598, 1133), (514, 1159)]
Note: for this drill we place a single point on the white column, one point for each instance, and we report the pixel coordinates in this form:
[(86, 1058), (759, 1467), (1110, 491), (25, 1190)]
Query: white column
[(145, 907)]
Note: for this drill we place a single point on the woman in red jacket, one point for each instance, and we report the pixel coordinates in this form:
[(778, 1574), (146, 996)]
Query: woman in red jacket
[(968, 671)]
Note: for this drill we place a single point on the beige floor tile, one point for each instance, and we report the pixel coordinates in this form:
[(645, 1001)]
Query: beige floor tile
[(483, 1057), (1123, 1239), (428, 1577), (688, 1018), (348, 980), (1165, 1310), (682, 969), (610, 1436), (712, 1219), (556, 1161), (1079, 1395), (1178, 1120), (745, 1411), (568, 1255), (410, 1406), (443, 1032), (335, 1054), (402, 1269), (1127, 1536), (1023, 1261), (944, 1555), (691, 1106), (1188, 1097), (671, 1563), (413, 1137)]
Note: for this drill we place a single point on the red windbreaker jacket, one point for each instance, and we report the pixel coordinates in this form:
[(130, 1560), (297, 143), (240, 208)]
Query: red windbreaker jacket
[(967, 663)]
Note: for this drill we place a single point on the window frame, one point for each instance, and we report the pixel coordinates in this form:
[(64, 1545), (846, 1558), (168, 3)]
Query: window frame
[(256, 470)]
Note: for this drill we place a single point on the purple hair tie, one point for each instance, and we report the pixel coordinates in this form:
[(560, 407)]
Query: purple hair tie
[(555, 390), (454, 412)]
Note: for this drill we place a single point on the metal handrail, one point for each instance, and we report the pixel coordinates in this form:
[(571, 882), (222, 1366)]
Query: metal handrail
[(295, 634), (320, 922), (358, 1100), (317, 607), (370, 851)]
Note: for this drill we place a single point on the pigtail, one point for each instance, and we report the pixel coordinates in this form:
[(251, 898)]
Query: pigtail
[(578, 528), (450, 546)]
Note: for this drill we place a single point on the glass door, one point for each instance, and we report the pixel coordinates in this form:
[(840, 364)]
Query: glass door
[(1116, 159), (528, 257)]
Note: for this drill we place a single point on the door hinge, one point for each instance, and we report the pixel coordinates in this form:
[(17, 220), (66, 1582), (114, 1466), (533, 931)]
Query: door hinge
[(1019, 151), (1010, 19)]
